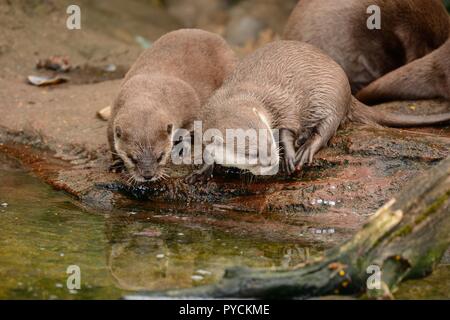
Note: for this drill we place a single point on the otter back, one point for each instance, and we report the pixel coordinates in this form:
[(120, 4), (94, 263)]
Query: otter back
[(410, 29)]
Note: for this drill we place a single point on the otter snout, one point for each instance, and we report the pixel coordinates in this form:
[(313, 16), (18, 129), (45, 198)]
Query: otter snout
[(146, 167), (147, 175)]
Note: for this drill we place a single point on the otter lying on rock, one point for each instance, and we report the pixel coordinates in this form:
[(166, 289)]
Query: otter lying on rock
[(296, 88), (409, 29), (163, 91)]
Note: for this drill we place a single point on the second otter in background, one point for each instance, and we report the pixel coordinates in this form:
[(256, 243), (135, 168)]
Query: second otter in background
[(425, 78), (410, 29), (163, 91)]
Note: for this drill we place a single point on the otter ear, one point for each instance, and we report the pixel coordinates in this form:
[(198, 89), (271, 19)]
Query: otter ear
[(169, 129)]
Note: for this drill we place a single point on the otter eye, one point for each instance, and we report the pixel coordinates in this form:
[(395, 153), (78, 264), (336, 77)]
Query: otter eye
[(160, 157), (132, 158)]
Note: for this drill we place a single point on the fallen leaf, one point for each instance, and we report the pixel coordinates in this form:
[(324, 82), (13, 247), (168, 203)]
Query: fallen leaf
[(45, 81)]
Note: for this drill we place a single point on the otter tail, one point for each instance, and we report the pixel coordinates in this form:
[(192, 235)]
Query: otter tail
[(423, 78), (370, 115)]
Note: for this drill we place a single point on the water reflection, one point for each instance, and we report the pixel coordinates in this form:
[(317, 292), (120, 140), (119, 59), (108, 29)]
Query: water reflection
[(148, 256), (43, 232)]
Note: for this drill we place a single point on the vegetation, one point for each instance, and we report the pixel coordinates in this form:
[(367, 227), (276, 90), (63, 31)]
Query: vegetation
[(447, 4)]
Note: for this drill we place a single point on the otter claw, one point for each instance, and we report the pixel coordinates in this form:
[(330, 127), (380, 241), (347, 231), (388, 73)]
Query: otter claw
[(304, 156), (289, 165), (289, 162)]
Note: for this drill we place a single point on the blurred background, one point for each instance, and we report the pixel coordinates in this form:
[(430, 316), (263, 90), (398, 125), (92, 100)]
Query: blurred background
[(115, 31)]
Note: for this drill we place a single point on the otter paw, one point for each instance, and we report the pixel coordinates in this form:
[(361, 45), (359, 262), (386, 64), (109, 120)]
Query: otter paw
[(304, 156), (288, 165)]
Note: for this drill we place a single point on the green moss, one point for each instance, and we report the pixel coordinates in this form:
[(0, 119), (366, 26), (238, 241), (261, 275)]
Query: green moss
[(435, 286), (433, 208), (407, 229), (403, 231), (447, 4)]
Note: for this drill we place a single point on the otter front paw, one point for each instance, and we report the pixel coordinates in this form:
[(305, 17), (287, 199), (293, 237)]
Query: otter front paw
[(288, 163), (303, 157), (287, 138), (307, 151), (117, 166), (202, 175)]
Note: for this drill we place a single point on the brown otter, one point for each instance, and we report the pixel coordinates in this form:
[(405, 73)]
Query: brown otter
[(410, 29), (428, 77), (163, 91), (296, 88)]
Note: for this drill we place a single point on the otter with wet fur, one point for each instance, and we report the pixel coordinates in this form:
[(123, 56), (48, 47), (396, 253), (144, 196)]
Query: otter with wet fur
[(410, 29), (296, 88), (163, 91)]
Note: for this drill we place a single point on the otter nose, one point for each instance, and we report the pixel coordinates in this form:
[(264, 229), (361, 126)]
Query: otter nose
[(148, 177)]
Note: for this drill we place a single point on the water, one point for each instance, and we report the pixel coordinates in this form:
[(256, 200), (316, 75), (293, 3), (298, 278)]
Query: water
[(43, 232)]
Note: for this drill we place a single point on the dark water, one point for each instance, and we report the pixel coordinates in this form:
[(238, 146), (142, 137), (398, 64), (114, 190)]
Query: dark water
[(43, 232)]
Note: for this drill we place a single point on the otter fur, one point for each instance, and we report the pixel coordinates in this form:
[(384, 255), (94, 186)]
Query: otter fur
[(410, 29), (296, 88), (164, 90), (425, 78)]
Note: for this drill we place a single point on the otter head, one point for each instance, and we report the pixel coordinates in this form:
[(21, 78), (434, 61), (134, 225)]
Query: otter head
[(143, 144), (245, 139)]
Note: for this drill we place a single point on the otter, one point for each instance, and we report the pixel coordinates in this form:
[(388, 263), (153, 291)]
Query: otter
[(425, 78), (296, 88), (164, 91), (410, 29)]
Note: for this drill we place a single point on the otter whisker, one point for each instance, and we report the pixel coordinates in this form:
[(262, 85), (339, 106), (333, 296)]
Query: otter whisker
[(165, 175), (141, 146), (134, 181), (130, 181)]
